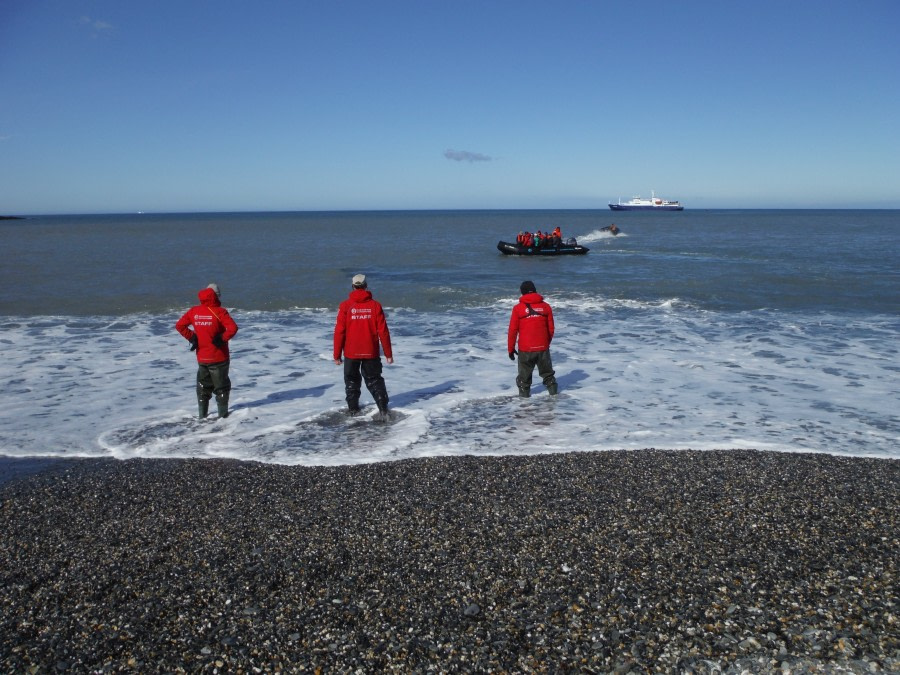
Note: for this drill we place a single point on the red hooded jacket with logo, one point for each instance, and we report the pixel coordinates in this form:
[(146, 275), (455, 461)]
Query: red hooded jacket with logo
[(208, 319), (360, 325), (533, 327)]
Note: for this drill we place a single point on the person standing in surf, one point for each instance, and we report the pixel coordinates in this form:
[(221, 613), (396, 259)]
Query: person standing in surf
[(212, 327), (360, 326), (532, 324)]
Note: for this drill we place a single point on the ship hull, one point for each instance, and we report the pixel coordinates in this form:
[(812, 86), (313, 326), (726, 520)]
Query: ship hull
[(641, 207)]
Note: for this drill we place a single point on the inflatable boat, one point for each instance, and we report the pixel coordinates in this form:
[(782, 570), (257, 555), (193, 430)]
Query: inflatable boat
[(569, 247)]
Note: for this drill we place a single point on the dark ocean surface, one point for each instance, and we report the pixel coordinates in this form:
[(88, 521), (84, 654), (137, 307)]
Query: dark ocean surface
[(695, 329)]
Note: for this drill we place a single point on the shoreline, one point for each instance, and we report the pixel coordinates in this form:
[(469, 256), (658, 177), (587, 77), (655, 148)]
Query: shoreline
[(649, 561), (14, 468)]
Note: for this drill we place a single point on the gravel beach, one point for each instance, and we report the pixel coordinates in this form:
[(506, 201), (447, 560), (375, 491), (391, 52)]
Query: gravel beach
[(639, 561)]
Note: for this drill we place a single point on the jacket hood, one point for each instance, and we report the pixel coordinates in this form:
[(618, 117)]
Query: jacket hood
[(209, 298), (360, 295), (532, 297)]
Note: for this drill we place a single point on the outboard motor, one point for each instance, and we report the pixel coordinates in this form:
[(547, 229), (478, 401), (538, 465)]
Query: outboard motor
[(571, 242)]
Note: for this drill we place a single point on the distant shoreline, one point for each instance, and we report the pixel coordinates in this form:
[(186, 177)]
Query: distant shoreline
[(604, 210)]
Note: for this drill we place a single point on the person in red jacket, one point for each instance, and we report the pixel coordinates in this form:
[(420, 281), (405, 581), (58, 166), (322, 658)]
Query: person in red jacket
[(359, 328), (212, 327), (532, 324)]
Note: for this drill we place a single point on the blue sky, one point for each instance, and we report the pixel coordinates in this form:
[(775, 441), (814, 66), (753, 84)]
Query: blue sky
[(121, 106)]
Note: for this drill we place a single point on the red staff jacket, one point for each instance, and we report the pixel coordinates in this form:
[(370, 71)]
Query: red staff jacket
[(360, 325), (208, 319), (534, 327)]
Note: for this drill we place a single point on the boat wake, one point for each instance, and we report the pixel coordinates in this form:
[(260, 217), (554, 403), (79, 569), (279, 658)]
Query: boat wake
[(598, 235)]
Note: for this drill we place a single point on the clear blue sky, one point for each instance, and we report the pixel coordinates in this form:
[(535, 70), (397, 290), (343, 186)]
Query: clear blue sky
[(121, 106)]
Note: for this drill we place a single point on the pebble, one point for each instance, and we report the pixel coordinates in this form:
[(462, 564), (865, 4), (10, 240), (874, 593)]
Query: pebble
[(633, 562)]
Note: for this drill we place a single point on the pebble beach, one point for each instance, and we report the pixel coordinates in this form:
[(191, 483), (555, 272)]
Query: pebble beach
[(595, 562)]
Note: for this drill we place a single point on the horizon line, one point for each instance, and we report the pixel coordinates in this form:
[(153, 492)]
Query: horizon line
[(24, 216)]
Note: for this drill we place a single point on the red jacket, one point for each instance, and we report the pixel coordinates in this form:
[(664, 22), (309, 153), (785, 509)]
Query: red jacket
[(360, 325), (534, 328), (208, 319)]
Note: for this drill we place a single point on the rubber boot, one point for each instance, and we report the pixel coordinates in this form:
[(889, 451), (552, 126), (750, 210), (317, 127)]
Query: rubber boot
[(222, 404), (382, 402), (376, 387), (553, 389), (525, 392), (383, 413), (352, 397), (203, 407)]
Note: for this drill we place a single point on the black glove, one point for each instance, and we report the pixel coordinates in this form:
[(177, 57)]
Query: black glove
[(193, 342), (218, 341), (512, 355)]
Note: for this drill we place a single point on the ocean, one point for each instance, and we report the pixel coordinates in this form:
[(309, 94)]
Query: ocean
[(775, 330)]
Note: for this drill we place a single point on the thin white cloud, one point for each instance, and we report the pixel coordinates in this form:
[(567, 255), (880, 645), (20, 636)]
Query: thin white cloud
[(97, 25), (466, 156)]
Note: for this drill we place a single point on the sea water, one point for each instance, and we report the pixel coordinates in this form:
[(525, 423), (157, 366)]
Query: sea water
[(775, 330)]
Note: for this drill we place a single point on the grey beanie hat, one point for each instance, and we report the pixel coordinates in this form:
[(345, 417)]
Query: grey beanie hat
[(215, 288)]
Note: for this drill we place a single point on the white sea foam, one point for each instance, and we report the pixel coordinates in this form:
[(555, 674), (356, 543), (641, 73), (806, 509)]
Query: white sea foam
[(597, 235), (631, 375)]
